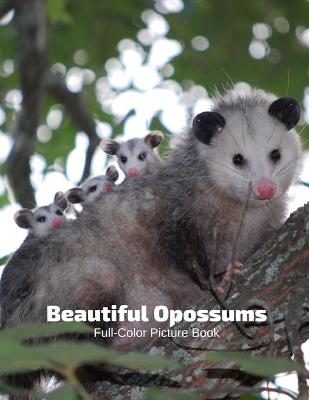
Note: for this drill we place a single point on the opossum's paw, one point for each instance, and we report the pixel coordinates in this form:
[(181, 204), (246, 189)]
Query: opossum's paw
[(233, 270)]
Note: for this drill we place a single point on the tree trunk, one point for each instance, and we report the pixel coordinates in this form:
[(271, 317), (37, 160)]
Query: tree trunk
[(271, 276), (32, 40)]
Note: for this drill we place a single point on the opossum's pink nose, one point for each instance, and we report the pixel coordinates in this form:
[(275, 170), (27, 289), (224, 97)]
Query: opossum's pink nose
[(56, 223), (264, 189), (133, 172), (107, 187)]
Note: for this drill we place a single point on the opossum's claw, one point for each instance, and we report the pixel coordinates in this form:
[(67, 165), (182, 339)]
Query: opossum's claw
[(234, 269)]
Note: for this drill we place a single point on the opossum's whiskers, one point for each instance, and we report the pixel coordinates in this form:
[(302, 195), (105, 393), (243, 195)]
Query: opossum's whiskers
[(224, 164), (193, 204), (218, 198), (222, 175), (232, 173), (291, 164), (268, 212), (285, 171), (305, 142), (228, 77), (302, 129), (215, 175)]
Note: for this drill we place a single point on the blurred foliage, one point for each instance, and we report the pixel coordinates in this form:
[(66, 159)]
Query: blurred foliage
[(64, 357), (3, 260), (159, 394), (228, 27), (98, 26), (19, 355)]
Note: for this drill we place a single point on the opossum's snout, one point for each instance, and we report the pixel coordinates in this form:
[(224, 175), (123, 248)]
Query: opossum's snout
[(133, 172), (107, 187), (264, 189), (56, 223)]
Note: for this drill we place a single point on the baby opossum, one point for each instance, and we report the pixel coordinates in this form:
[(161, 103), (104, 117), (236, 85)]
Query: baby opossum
[(92, 188), (43, 219), (135, 157), (153, 244)]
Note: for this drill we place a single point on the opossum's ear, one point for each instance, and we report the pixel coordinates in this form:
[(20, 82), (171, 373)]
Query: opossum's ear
[(154, 138), (112, 173), (75, 195), (109, 146), (286, 110), (207, 124), (60, 201), (24, 218)]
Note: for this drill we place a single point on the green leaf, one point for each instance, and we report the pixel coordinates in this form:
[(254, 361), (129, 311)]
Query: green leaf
[(57, 11), (4, 199), (17, 358), (64, 392), (256, 365), (165, 394), (61, 144), (250, 397), (5, 389), (75, 354), (28, 331), (4, 260)]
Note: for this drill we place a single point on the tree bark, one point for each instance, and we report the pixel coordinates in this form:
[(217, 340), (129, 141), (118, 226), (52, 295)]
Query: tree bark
[(35, 80), (272, 274), (75, 107), (32, 38)]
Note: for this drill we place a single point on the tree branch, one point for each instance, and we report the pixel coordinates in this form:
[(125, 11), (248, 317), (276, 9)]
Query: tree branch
[(272, 274), (32, 38), (75, 106), (298, 299)]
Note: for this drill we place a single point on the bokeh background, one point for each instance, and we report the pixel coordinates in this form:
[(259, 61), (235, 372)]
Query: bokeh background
[(123, 67)]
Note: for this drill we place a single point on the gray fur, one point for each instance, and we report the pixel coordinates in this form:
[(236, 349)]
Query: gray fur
[(56, 211), (153, 244), (93, 188), (132, 149)]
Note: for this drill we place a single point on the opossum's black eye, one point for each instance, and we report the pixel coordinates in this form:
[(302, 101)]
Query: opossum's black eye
[(123, 159), (92, 189), (275, 155), (41, 219), (238, 160), (59, 212), (142, 156)]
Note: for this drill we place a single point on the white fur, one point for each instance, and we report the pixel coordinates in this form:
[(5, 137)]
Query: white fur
[(43, 228), (92, 188), (138, 155), (132, 155), (252, 132)]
